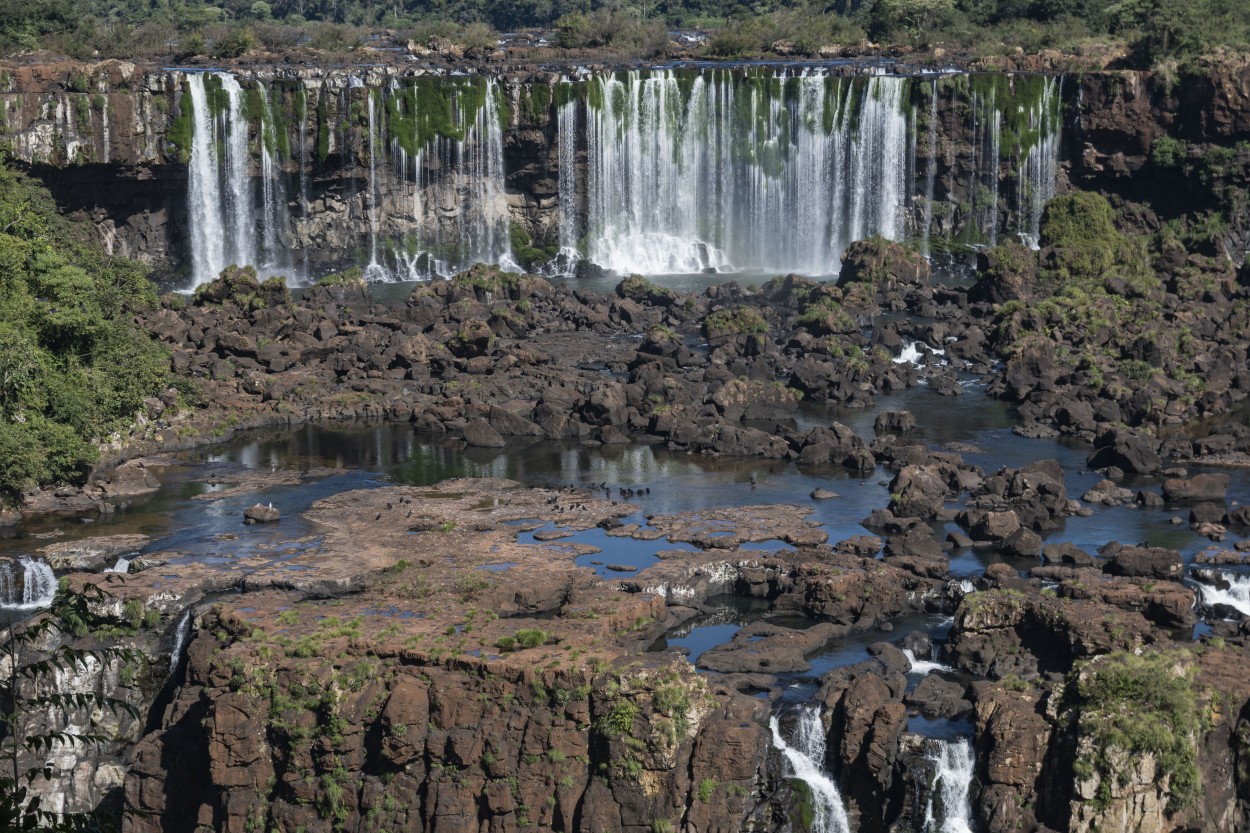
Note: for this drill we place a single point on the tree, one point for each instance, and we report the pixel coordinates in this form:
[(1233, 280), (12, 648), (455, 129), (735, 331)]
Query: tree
[(35, 716)]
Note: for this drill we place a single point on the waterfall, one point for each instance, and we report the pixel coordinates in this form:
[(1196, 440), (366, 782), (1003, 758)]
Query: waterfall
[(122, 565), (208, 232), (238, 208), (304, 201), (180, 640), (950, 808), (374, 271), (724, 171), (221, 208), (923, 666), (1221, 587), (566, 145), (26, 585), (931, 167), (105, 142), (657, 171), (806, 762), (273, 195), (460, 207), (1038, 170)]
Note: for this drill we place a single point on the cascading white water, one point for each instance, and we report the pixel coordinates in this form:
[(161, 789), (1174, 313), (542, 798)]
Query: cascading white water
[(273, 254), (374, 271), (923, 666), (566, 145), (122, 565), (930, 174), (180, 641), (208, 231), (304, 200), (1038, 171), (105, 142), (239, 219), (913, 355), (1235, 595), (949, 809), (460, 207), (730, 171), (221, 206), (806, 760), (27, 585)]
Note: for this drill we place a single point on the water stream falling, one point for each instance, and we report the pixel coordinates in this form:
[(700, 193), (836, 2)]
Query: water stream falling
[(806, 761), (208, 225), (654, 171), (949, 809), (181, 633), (923, 666), (26, 584), (1222, 587)]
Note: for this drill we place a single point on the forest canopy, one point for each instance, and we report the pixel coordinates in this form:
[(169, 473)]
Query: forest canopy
[(73, 366), (1154, 30)]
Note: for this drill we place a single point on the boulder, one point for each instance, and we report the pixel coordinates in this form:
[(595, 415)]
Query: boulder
[(259, 513), (1148, 562), (1200, 487), (480, 434)]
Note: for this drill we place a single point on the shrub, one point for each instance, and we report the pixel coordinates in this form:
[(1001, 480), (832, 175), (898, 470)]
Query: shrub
[(1142, 705)]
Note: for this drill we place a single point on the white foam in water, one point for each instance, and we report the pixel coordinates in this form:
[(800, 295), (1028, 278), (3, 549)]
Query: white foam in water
[(122, 565), (923, 666), (912, 354), (1236, 595), (33, 589), (950, 808), (806, 760)]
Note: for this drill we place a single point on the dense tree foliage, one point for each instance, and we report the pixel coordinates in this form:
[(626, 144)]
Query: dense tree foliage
[(1156, 30), (73, 367)]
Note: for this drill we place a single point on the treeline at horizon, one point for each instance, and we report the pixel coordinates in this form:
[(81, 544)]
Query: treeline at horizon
[(1149, 32)]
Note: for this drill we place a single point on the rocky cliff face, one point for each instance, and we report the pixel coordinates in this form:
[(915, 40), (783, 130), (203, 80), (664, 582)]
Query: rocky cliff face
[(114, 141)]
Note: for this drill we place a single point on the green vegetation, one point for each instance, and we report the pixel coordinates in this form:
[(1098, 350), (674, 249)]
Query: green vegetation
[(739, 320), (1134, 706), (1156, 32), (73, 368)]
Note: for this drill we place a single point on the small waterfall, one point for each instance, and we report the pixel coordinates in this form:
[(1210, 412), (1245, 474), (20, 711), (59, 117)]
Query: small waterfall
[(931, 168), (105, 142), (374, 271), (181, 633), (221, 208), (273, 258), (208, 232), (1221, 587), (923, 666), (566, 140), (304, 163), (239, 216), (913, 355), (27, 585), (121, 566), (950, 807), (806, 762), (1038, 170), (460, 207)]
